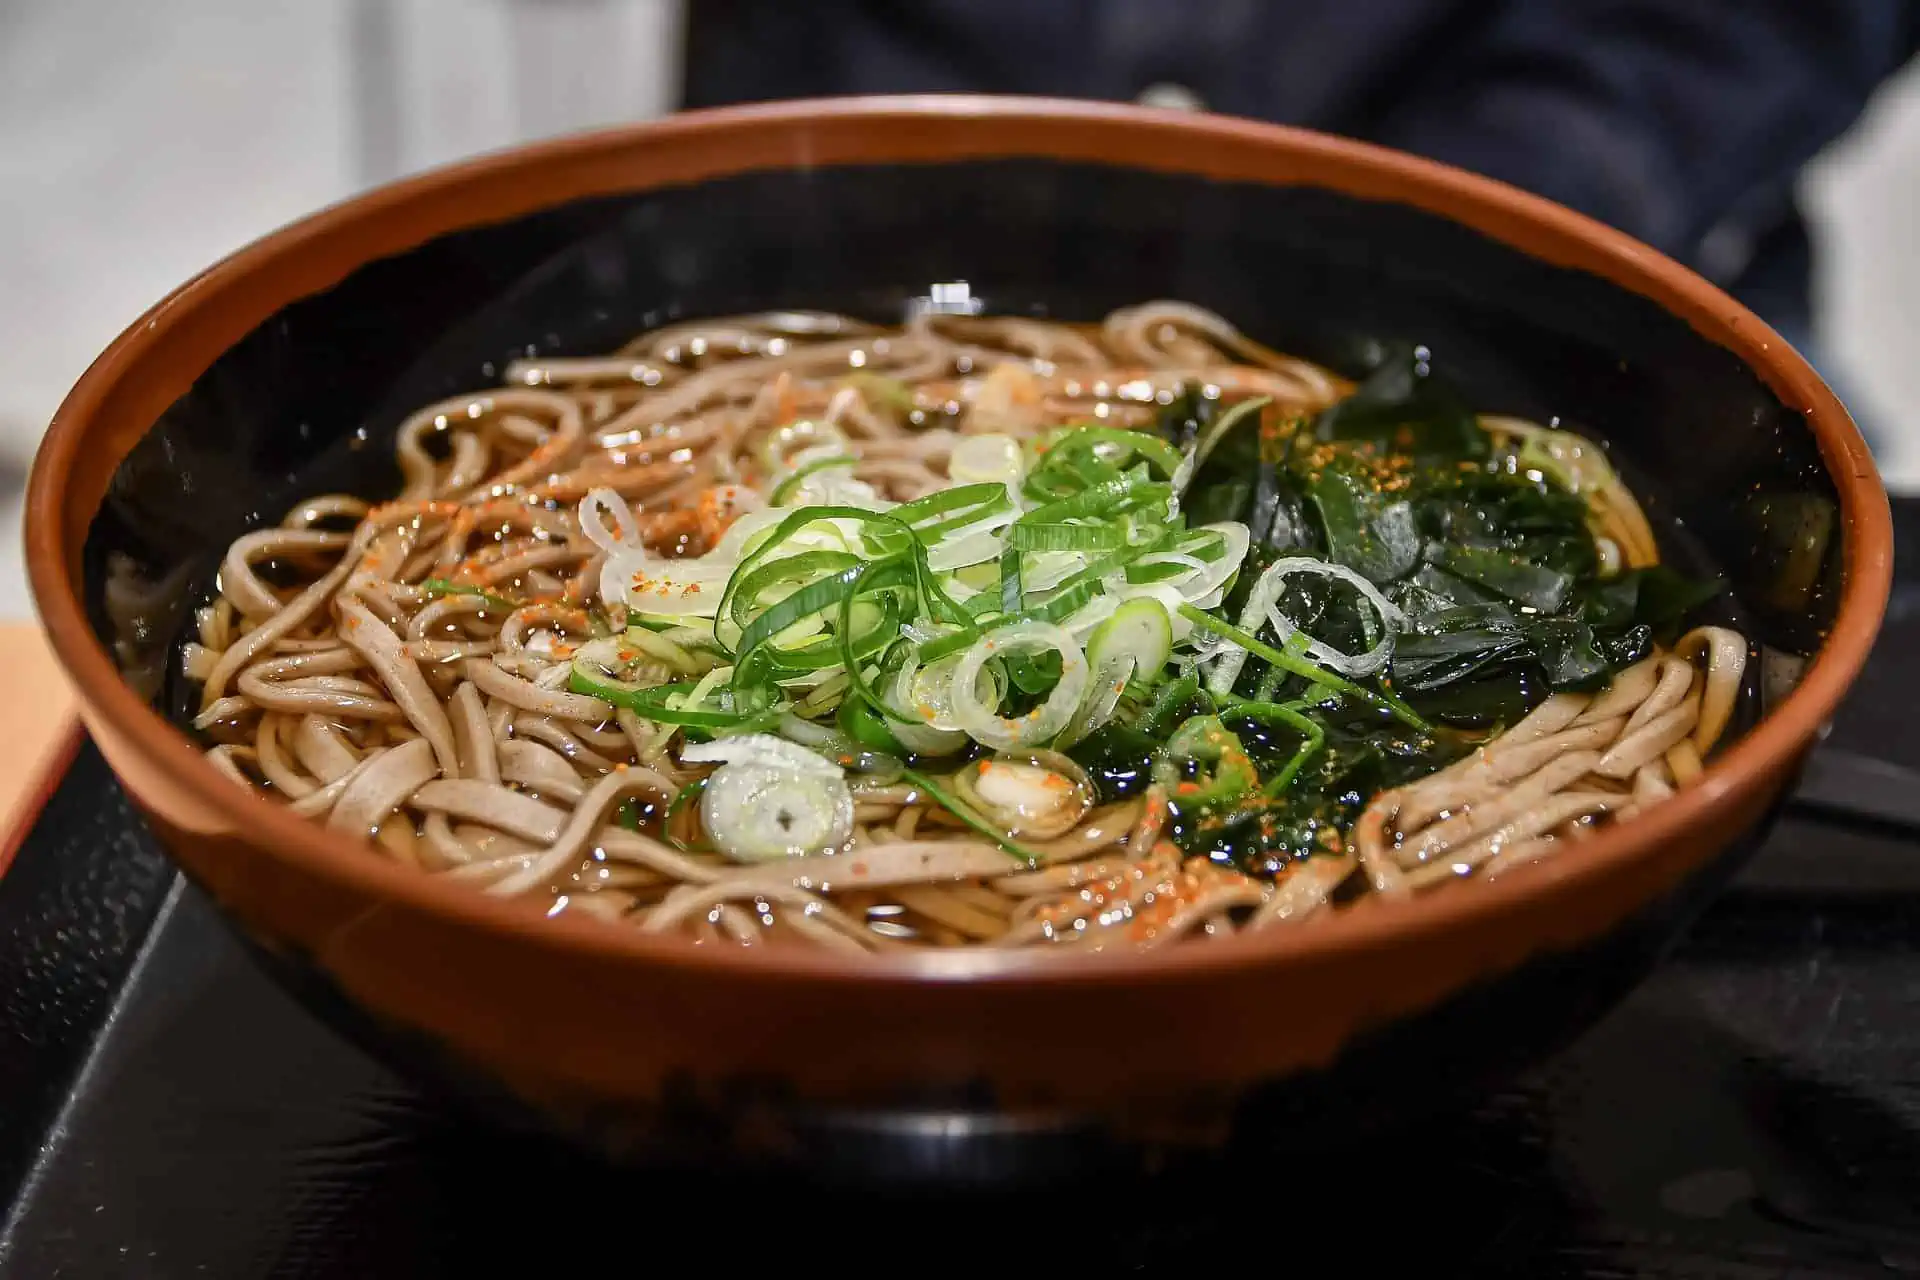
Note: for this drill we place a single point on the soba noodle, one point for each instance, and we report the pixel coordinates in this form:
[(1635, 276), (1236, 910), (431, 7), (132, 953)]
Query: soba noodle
[(406, 671)]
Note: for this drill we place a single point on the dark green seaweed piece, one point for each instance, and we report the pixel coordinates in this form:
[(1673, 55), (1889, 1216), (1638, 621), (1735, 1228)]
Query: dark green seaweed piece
[(1507, 574), (1364, 531), (1119, 758), (1486, 702), (1185, 418), (1422, 662), (1402, 406), (1658, 598)]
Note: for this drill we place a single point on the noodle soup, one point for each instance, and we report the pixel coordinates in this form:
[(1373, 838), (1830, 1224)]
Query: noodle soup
[(974, 631)]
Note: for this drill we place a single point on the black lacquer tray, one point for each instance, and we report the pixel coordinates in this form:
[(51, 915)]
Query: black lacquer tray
[(1754, 1110)]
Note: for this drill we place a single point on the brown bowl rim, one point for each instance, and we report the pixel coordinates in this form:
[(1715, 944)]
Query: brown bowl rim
[(309, 255)]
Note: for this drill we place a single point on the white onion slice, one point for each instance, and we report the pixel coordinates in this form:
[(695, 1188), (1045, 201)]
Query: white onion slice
[(1108, 684), (974, 543), (1194, 563), (958, 553), (983, 722), (596, 508), (830, 486), (806, 732), (1204, 581), (925, 694), (986, 457), (761, 749), (1081, 622), (1214, 577), (1045, 570), (673, 588), (835, 487), (758, 813), (664, 583), (923, 741), (1262, 605), (925, 697), (733, 543)]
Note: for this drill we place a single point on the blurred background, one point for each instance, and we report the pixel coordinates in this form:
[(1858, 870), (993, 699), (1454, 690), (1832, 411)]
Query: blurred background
[(140, 140)]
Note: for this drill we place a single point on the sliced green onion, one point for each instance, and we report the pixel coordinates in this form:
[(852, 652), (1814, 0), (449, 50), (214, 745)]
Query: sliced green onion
[(664, 649), (436, 587), (869, 728), (1113, 562), (1010, 590), (662, 704), (818, 595), (1271, 681), (983, 723), (1172, 696), (1084, 440), (1289, 715), (856, 675), (1140, 630), (874, 629), (828, 695), (681, 799), (939, 606), (1301, 667), (1102, 499), (598, 666), (1067, 537), (892, 531), (973, 501), (802, 567), (1205, 739), (1057, 608)]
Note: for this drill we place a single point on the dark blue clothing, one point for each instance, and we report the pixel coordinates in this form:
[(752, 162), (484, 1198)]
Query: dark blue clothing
[(1682, 122)]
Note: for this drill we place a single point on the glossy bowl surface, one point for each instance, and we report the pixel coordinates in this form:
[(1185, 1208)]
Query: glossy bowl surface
[(283, 371)]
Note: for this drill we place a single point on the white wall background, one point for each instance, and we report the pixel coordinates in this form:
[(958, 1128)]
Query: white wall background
[(140, 140), (1864, 198)]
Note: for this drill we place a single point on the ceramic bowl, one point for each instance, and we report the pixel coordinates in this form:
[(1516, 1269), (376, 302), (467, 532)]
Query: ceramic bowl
[(284, 370)]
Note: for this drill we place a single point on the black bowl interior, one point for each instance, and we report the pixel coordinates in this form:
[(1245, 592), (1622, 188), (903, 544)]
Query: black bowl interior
[(308, 401)]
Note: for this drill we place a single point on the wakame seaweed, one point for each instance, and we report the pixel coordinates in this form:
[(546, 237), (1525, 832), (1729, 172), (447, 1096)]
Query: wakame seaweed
[(1405, 406), (1493, 565)]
